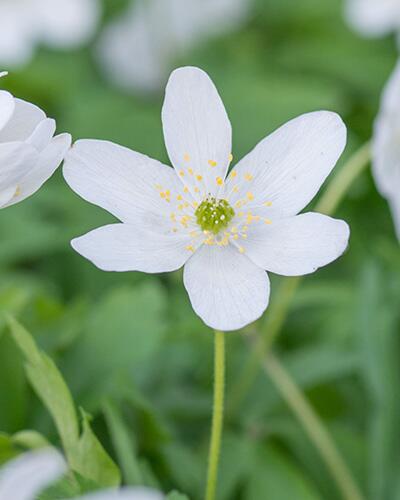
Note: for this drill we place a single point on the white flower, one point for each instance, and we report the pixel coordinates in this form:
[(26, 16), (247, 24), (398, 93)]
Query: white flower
[(28, 475), (29, 154), (386, 146), (226, 231), (57, 23), (138, 49), (374, 17)]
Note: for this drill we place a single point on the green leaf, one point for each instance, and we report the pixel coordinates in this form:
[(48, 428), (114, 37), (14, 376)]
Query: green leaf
[(174, 495), (7, 448), (275, 477), (124, 444), (50, 387), (30, 440), (122, 333), (93, 461), (85, 454)]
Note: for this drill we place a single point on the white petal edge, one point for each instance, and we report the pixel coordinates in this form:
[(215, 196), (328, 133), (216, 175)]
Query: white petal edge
[(124, 247), (289, 166), (24, 120), (7, 106), (16, 159), (373, 17), (297, 245), (24, 477), (125, 494), (226, 289), (197, 129), (47, 163), (119, 179), (42, 134)]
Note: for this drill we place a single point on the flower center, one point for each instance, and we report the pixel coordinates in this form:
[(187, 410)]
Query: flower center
[(214, 214)]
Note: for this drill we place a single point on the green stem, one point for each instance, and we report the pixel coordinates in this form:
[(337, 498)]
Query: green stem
[(277, 311), (313, 427), (218, 414)]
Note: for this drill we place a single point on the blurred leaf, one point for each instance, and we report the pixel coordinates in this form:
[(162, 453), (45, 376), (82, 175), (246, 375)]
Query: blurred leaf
[(123, 443), (379, 347), (30, 440), (275, 477), (174, 495), (122, 333), (85, 453)]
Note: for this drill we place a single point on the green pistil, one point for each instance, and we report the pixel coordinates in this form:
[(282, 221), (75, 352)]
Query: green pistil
[(214, 215)]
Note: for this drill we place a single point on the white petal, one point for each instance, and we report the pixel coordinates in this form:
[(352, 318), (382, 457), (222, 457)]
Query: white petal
[(125, 494), (386, 144), (16, 159), (297, 245), (67, 23), (23, 478), (43, 133), (394, 202), (47, 163), (6, 195), (225, 288), (197, 130), (23, 122), (120, 180), (374, 17), (125, 247), (7, 106), (289, 166)]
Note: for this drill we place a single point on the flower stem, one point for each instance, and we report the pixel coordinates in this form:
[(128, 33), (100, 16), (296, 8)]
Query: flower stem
[(313, 427), (278, 310), (218, 414)]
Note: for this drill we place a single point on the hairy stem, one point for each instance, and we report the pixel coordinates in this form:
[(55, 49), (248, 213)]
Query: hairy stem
[(218, 414)]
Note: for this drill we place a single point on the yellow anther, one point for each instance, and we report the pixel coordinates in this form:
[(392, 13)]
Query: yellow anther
[(190, 170), (158, 186), (240, 214), (245, 228), (179, 197), (219, 181), (268, 221), (195, 204), (248, 177), (212, 163), (185, 189), (186, 204), (193, 234), (174, 229), (181, 173), (235, 236), (196, 190), (233, 174), (180, 207), (173, 217), (230, 157), (241, 249), (250, 196), (162, 194), (199, 177), (234, 229), (268, 204), (244, 236), (239, 204), (235, 189), (186, 157), (190, 248)]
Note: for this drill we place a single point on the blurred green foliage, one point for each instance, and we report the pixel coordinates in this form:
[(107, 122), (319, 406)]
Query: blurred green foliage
[(129, 346)]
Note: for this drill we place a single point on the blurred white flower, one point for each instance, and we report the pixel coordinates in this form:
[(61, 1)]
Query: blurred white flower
[(386, 146), (225, 229), (28, 475), (57, 23), (29, 154), (374, 17), (138, 50)]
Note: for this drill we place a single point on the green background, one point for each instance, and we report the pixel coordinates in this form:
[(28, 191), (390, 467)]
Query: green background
[(131, 342)]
